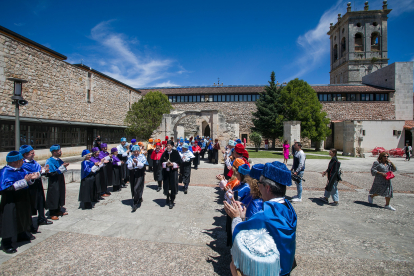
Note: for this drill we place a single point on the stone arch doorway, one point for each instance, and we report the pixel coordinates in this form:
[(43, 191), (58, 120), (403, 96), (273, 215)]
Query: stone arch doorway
[(206, 131), (207, 120)]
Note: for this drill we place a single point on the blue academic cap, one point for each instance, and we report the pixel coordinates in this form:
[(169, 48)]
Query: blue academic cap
[(185, 145), (123, 139), (54, 147), (256, 171), (238, 141), (232, 143), (244, 169), (136, 147), (25, 148), (85, 152), (278, 172), (14, 156)]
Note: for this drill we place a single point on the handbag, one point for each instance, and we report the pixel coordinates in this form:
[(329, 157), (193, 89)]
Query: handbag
[(389, 176)]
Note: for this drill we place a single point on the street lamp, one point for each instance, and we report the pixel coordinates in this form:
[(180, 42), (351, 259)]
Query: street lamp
[(18, 101)]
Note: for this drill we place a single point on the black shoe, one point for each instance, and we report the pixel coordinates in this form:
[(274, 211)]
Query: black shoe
[(33, 230), (25, 238), (134, 207), (171, 204), (185, 191), (45, 222), (158, 189), (9, 250)]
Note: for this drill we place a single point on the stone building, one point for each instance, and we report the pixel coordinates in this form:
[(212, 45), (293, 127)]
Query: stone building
[(69, 104), (358, 44), (369, 102)]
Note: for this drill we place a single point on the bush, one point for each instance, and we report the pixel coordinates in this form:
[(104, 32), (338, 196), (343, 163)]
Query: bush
[(256, 138)]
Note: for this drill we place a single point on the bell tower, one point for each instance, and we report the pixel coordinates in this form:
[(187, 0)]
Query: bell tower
[(358, 43)]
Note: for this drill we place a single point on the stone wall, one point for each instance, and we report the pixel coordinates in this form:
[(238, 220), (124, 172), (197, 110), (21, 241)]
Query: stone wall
[(58, 90), (239, 112), (359, 110)]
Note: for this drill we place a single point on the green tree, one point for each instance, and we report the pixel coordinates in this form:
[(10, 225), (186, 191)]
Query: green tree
[(267, 120), (145, 115), (300, 103), (256, 138)]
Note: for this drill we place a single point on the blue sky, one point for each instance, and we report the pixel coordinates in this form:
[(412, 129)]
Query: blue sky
[(186, 43)]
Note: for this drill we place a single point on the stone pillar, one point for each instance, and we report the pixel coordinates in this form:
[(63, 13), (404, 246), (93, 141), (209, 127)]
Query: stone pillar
[(412, 137), (291, 131), (179, 133), (352, 138)]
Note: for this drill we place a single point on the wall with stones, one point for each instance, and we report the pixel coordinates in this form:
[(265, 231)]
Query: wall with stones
[(57, 90), (359, 110), (239, 112)]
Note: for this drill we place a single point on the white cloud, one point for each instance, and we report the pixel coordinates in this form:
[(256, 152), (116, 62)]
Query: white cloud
[(315, 42), (124, 59), (166, 84)]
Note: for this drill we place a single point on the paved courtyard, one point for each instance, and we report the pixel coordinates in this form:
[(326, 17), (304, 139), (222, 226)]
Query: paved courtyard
[(354, 238)]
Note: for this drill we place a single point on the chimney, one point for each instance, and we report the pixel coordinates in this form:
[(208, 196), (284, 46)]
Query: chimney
[(366, 6)]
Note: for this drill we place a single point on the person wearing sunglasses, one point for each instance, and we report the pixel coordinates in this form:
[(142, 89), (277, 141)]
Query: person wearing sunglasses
[(382, 186)]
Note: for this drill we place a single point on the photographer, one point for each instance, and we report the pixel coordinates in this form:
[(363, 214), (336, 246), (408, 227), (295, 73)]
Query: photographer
[(381, 185), (298, 169)]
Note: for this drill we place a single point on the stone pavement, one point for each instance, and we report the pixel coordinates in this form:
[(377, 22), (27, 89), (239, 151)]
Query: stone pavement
[(354, 238)]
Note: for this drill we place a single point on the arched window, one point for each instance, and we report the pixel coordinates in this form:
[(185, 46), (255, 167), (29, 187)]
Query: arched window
[(359, 46), (343, 46), (335, 52), (375, 46)]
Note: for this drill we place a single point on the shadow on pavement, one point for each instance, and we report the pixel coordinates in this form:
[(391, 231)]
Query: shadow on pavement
[(128, 202), (154, 187), (160, 201), (318, 201), (367, 204)]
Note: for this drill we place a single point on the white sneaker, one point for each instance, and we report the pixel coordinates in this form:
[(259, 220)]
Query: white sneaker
[(389, 207), (296, 199), (370, 199)]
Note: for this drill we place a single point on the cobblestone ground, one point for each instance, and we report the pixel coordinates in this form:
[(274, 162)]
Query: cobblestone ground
[(354, 238)]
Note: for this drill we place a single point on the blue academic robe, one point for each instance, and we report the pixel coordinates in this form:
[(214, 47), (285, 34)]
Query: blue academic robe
[(37, 194), (86, 168), (280, 221), (243, 191), (8, 176), (179, 148), (86, 188), (254, 206)]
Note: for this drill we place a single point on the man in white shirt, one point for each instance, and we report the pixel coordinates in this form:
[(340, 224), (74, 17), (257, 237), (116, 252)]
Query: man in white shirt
[(298, 169), (136, 165)]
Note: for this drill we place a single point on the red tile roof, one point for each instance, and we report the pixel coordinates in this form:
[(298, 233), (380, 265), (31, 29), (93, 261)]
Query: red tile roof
[(409, 124)]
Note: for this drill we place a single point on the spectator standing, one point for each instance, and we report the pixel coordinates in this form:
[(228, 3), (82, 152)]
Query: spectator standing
[(407, 150), (266, 144), (286, 147), (331, 188), (381, 185), (298, 169)]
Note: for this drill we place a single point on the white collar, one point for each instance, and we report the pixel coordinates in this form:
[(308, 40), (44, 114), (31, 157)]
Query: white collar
[(278, 199), (28, 161), (15, 169), (56, 158)]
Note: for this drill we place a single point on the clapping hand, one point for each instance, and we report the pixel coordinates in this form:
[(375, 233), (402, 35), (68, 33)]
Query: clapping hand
[(46, 168), (66, 165)]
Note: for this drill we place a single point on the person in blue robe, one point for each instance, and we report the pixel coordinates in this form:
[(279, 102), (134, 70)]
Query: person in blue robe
[(210, 151), (253, 202), (56, 190), (278, 216), (87, 185), (15, 208), (37, 194)]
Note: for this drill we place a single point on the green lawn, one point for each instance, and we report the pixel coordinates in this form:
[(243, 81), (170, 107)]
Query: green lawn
[(272, 154)]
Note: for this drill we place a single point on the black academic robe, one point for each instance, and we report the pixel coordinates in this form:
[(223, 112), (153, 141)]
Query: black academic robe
[(137, 180), (124, 169), (86, 190), (149, 160), (170, 177), (56, 191), (37, 196), (157, 167), (98, 187), (196, 159), (16, 212), (116, 177), (186, 173)]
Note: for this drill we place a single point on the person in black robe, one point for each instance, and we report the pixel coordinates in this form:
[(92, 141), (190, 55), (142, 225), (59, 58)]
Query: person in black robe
[(87, 185), (150, 149), (56, 189), (171, 161), (185, 170), (123, 152), (157, 165), (99, 176), (15, 208), (116, 170), (136, 166), (37, 194), (107, 168)]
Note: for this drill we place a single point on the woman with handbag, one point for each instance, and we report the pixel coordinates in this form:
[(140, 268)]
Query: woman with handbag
[(382, 170), (331, 188)]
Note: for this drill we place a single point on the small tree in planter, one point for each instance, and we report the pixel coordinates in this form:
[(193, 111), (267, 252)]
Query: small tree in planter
[(256, 139)]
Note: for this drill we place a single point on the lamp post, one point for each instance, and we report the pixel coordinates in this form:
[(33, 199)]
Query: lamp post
[(18, 101)]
